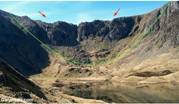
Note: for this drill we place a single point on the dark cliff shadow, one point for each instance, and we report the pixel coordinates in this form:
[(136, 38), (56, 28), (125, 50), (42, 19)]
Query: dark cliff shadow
[(21, 50)]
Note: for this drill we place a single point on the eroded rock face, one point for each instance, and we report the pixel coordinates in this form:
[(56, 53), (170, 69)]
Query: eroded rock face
[(63, 34), (60, 33), (164, 24), (33, 27), (108, 30)]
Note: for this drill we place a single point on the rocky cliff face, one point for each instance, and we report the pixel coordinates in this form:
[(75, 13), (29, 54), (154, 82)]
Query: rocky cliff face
[(60, 33), (33, 27), (157, 29), (108, 30)]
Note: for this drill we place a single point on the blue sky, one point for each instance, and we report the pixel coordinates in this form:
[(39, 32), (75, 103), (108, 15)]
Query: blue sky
[(78, 11)]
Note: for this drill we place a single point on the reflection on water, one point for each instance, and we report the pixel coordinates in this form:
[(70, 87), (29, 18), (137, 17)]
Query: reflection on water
[(126, 92)]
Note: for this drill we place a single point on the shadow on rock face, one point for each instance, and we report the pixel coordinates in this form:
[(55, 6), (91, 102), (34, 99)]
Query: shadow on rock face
[(20, 49)]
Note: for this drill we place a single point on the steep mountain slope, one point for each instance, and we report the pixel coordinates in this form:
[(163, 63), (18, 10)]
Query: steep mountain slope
[(154, 48), (16, 85), (20, 49)]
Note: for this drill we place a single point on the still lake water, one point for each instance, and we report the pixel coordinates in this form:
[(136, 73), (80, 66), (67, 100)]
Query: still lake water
[(126, 92)]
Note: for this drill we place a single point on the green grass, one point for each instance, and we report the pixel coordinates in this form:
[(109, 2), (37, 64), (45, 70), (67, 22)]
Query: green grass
[(100, 61)]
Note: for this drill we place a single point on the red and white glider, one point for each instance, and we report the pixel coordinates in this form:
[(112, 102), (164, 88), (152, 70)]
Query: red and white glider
[(116, 13), (42, 14)]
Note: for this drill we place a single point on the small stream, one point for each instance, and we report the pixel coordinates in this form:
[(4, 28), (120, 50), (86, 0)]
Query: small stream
[(126, 92)]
